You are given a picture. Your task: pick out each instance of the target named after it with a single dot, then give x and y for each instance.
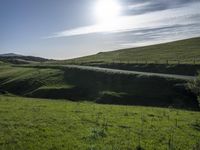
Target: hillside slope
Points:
(101, 87)
(184, 50)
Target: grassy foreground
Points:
(47, 124)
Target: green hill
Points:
(185, 51)
(102, 87)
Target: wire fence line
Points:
(167, 61)
(194, 62)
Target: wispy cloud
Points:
(137, 6)
(158, 35)
(147, 6)
(189, 14)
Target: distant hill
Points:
(20, 59)
(10, 55)
(183, 50)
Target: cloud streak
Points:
(158, 35)
(189, 14)
(146, 6)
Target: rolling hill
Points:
(185, 51)
(179, 57)
(10, 55)
(80, 84)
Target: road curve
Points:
(92, 68)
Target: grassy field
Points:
(184, 51)
(101, 87)
(56, 124)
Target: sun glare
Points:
(107, 10)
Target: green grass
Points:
(19, 80)
(55, 125)
(184, 51)
(1, 62)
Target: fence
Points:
(168, 61)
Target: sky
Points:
(63, 29)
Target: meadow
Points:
(28, 123)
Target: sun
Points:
(107, 10)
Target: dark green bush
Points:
(194, 86)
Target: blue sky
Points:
(62, 29)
